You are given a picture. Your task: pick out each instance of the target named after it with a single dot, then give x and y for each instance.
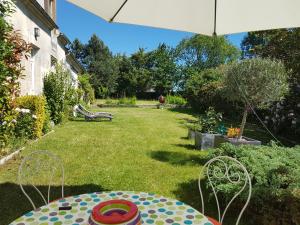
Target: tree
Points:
(126, 81)
(257, 83)
(99, 62)
(201, 52)
(280, 44)
(78, 50)
(203, 89)
(163, 69)
(88, 93)
(283, 44)
(140, 71)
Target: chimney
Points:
(50, 8)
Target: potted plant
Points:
(192, 127)
(256, 83)
(207, 129)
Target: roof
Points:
(74, 62)
(40, 13)
(64, 40)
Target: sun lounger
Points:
(91, 116)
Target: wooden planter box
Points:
(191, 134)
(205, 141)
(235, 141)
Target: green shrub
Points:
(88, 93)
(176, 100)
(37, 106)
(275, 173)
(60, 93)
(127, 101)
(109, 101)
(210, 121)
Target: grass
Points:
(138, 102)
(141, 150)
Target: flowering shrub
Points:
(12, 50)
(233, 132)
(24, 124)
(35, 107)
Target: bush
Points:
(210, 121)
(176, 100)
(275, 173)
(37, 107)
(60, 93)
(127, 101)
(88, 93)
(204, 90)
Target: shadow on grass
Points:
(176, 158)
(14, 204)
(188, 193)
(187, 146)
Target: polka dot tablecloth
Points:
(154, 209)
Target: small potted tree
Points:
(207, 129)
(256, 83)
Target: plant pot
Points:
(191, 134)
(235, 141)
(205, 141)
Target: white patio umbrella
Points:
(199, 16)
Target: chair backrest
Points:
(225, 169)
(32, 169)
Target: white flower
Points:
(14, 121)
(34, 116)
(18, 109)
(4, 123)
(25, 110)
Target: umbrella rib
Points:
(122, 6)
(215, 19)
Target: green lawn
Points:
(141, 150)
(138, 102)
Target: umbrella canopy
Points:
(199, 16)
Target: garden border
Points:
(5, 159)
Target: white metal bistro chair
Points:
(226, 170)
(41, 166)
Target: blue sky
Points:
(120, 38)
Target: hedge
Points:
(37, 106)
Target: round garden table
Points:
(154, 209)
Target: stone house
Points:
(36, 21)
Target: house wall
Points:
(46, 49)
(37, 66)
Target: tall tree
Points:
(101, 65)
(257, 83)
(140, 71)
(78, 50)
(283, 45)
(126, 81)
(201, 52)
(163, 69)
